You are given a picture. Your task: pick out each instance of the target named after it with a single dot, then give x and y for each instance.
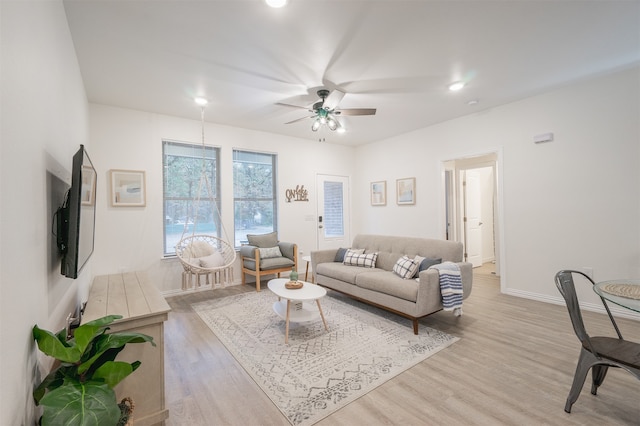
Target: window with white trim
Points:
(188, 202)
(254, 194)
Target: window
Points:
(182, 170)
(333, 209)
(254, 194)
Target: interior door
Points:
(472, 217)
(333, 219)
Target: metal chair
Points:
(597, 352)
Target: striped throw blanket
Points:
(450, 286)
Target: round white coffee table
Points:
(296, 307)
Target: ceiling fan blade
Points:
(298, 119)
(333, 99)
(292, 106)
(357, 111)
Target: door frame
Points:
(452, 209)
(346, 209)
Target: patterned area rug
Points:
(318, 372)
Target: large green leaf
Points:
(87, 332)
(107, 342)
(112, 372)
(52, 346)
(80, 404)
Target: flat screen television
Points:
(76, 217)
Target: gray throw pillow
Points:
(340, 255)
(263, 240)
(427, 262)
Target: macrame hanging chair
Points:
(203, 254)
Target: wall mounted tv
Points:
(76, 217)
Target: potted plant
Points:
(79, 391)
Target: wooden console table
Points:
(143, 310)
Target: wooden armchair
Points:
(265, 255)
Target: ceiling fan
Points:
(325, 111)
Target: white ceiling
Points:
(396, 56)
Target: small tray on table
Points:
(293, 285)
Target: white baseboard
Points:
(587, 306)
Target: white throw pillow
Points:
(406, 268)
(198, 249)
(266, 253)
(365, 260)
(212, 261)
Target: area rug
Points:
(319, 371)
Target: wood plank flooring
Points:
(513, 366)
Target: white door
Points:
(333, 212)
(472, 217)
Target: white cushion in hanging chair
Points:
(214, 260)
(198, 249)
(198, 252)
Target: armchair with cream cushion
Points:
(265, 255)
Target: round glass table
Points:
(625, 293)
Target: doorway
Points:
(333, 216)
(472, 207)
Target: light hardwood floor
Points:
(513, 366)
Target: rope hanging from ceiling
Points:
(204, 254)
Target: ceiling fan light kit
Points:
(326, 109)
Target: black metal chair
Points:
(597, 352)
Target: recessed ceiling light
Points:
(201, 101)
(472, 102)
(454, 87)
(276, 3)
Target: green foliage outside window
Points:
(254, 194)
(188, 203)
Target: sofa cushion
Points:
(405, 268)
(411, 246)
(365, 260)
(342, 252)
(263, 240)
(267, 252)
(340, 255)
(389, 283)
(270, 263)
(342, 272)
(426, 262)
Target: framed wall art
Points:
(379, 193)
(127, 188)
(406, 191)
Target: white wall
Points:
(570, 203)
(44, 121)
(130, 239)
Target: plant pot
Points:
(126, 408)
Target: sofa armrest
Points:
(430, 282)
(248, 251)
(288, 250)
(322, 256)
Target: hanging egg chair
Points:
(204, 255)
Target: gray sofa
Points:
(380, 286)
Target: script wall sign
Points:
(298, 194)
